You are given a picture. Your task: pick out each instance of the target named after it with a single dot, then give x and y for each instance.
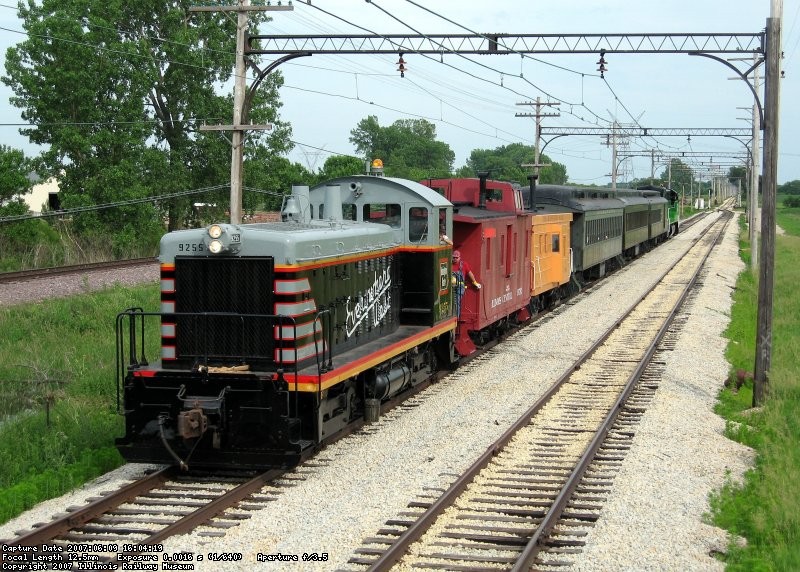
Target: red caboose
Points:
(492, 231)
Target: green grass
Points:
(58, 393)
(787, 218)
(765, 509)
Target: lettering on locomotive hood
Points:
(372, 305)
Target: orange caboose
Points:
(492, 231)
(551, 262)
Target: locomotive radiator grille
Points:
(221, 308)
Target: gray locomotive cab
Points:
(416, 216)
(411, 210)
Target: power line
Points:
(84, 209)
(408, 113)
(442, 47)
(479, 78)
(605, 81)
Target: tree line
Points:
(117, 92)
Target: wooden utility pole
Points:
(237, 129)
(769, 179)
(538, 115)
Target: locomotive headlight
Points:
(215, 231)
(222, 239)
(215, 246)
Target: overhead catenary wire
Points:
(419, 86)
(386, 12)
(470, 74)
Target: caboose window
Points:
(556, 244)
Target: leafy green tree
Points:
(738, 176)
(505, 163)
(341, 166)
(117, 91)
(677, 175)
(408, 148)
(268, 178)
(14, 170)
(790, 188)
(17, 237)
(791, 202)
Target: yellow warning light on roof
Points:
(376, 168)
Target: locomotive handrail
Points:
(120, 367)
(293, 323)
(323, 366)
(135, 314)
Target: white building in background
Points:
(39, 197)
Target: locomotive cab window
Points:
(444, 228)
(384, 213)
(417, 224)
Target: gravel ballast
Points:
(370, 477)
(60, 286)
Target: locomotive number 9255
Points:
(191, 247)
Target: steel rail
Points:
(33, 274)
(534, 546)
(48, 532)
(400, 546)
(213, 508)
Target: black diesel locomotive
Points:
(273, 337)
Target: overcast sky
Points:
(326, 96)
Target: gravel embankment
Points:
(654, 517)
(12, 293)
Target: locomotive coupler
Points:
(193, 421)
(192, 424)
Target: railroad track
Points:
(149, 510)
(529, 499)
(174, 507)
(25, 275)
(169, 502)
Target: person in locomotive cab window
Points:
(443, 238)
(462, 277)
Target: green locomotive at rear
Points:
(273, 337)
